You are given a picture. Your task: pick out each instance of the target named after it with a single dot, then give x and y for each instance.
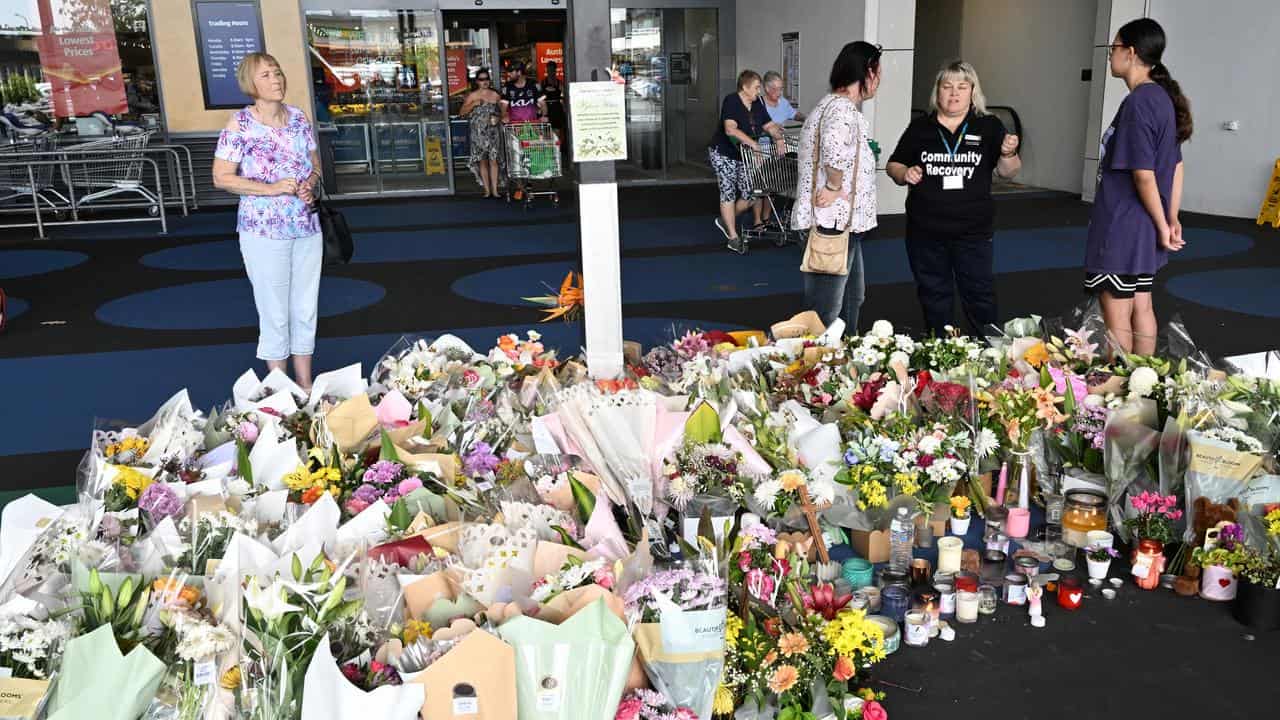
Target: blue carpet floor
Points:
(1253, 291)
(21, 263)
(16, 306)
(223, 304)
(771, 271)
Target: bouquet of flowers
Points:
(680, 636)
(31, 648)
(643, 704)
(705, 469)
(779, 496)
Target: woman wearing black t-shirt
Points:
(743, 120)
(947, 157)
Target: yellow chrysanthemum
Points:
(906, 483)
(724, 703)
(230, 679)
(732, 628)
(138, 445)
(1273, 522)
(133, 481)
(851, 635)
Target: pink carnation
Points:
(408, 485)
(629, 709)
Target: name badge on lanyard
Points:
(952, 182)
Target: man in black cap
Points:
(520, 96)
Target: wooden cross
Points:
(811, 514)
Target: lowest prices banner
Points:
(83, 68)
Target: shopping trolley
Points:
(532, 152)
(772, 179)
(120, 172)
(23, 181)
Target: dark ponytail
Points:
(1147, 39)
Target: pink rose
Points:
(744, 561)
(629, 709)
(355, 506)
(873, 710)
(408, 485)
(604, 578)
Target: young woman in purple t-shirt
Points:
(1135, 225)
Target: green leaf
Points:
(566, 538)
(243, 466)
(399, 519)
(703, 425)
(582, 497)
(1046, 380)
(1069, 398)
(388, 449)
(705, 529)
(296, 568)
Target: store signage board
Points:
(598, 121)
(226, 31)
(680, 68)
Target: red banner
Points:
(456, 69)
(553, 52)
(84, 72)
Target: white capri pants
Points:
(285, 274)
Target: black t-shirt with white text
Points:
(954, 197)
(523, 101)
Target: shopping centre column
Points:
(598, 205)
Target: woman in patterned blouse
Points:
(267, 155)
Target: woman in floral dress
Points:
(484, 108)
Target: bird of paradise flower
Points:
(566, 304)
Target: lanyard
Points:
(951, 151)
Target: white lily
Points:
(270, 602)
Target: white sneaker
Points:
(720, 226)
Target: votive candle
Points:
(1019, 522)
(949, 550)
(966, 606)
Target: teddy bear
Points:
(1208, 514)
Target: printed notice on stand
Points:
(598, 121)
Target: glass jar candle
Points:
(858, 572)
(1053, 508)
(1000, 542)
(994, 564)
(892, 638)
(859, 601)
(966, 606)
(988, 597)
(1027, 565)
(894, 600)
(917, 629)
(949, 550)
(1070, 592)
(946, 598)
(1015, 589)
(1084, 510)
(1019, 523)
(967, 581)
(925, 600)
(887, 576)
(995, 517)
(920, 572)
(873, 597)
(1148, 563)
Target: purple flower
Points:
(110, 527)
(367, 494)
(159, 502)
(480, 460)
(383, 472)
(1229, 536)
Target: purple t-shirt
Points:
(1143, 136)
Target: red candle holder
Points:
(1070, 593)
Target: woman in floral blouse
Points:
(841, 200)
(267, 155)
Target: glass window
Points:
(71, 58)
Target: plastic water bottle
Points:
(902, 535)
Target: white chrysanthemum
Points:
(1142, 382)
(900, 358)
(680, 490)
(986, 443)
(929, 445)
(821, 491)
(882, 329)
(766, 493)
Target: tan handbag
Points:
(829, 254)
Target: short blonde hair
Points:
(248, 66)
(959, 70)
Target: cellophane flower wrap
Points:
(680, 614)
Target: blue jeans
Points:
(285, 274)
(839, 296)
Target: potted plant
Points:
(1257, 601)
(1152, 529)
(1220, 564)
(1098, 558)
(960, 508)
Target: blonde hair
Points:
(248, 66)
(960, 70)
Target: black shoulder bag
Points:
(338, 244)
